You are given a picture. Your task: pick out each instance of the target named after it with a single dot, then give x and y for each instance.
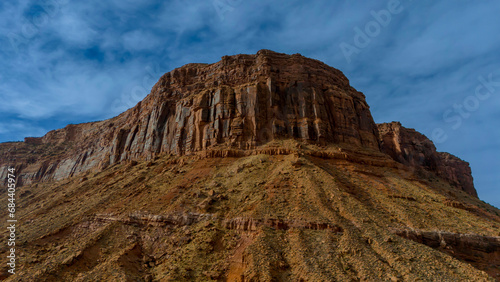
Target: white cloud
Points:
(74, 28)
(140, 40)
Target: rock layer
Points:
(482, 251)
(414, 149)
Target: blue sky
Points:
(433, 65)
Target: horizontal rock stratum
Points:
(241, 102)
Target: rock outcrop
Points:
(242, 101)
(414, 149)
(241, 224)
(482, 251)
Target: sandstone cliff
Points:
(414, 149)
(242, 101)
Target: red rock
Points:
(414, 149)
(466, 247)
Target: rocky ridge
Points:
(415, 150)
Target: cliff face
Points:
(242, 101)
(413, 149)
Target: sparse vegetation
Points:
(64, 239)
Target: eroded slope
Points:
(290, 212)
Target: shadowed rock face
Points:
(414, 149)
(242, 101)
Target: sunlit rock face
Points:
(244, 101)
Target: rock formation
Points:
(480, 250)
(242, 101)
(265, 167)
(415, 150)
